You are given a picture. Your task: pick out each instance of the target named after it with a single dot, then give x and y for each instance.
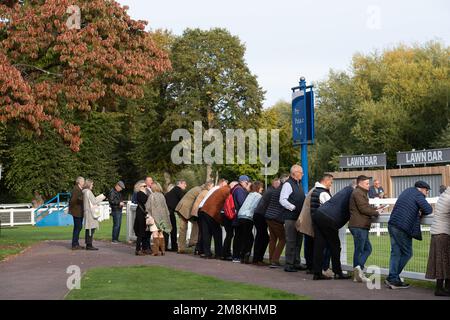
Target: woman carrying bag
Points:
(91, 212)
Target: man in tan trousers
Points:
(185, 214)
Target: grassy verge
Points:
(160, 283)
(16, 239)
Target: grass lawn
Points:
(381, 250)
(14, 240)
(160, 283)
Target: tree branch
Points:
(37, 68)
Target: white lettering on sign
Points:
(362, 161)
(424, 156)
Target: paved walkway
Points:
(40, 273)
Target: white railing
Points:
(380, 239)
(23, 214)
(378, 234)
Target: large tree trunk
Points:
(210, 116)
(167, 179)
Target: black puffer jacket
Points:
(139, 226)
(275, 209)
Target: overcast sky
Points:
(289, 38)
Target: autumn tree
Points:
(52, 70)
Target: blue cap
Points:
(422, 184)
(244, 178)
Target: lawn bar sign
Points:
(425, 157)
(363, 161)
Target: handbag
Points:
(149, 220)
(96, 211)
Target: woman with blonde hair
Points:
(156, 208)
(90, 206)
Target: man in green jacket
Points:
(361, 214)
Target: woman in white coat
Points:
(90, 202)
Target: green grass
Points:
(160, 283)
(16, 239)
(381, 250)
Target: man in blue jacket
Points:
(403, 226)
(327, 220)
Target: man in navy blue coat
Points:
(403, 226)
(327, 220)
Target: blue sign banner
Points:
(303, 117)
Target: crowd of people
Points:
(281, 218)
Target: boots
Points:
(440, 291)
(155, 247)
(162, 246)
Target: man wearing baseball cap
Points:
(116, 203)
(403, 226)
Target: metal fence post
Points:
(32, 217)
(128, 214)
(11, 217)
(343, 238)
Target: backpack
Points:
(228, 208)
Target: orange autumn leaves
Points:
(48, 70)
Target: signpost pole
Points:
(303, 124)
(304, 146)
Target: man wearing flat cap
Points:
(116, 203)
(403, 226)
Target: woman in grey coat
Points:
(89, 203)
(157, 208)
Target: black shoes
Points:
(206, 256)
(341, 276)
(246, 259)
(301, 267)
(229, 258)
(442, 293)
(91, 248)
(290, 269)
(396, 285)
(77, 247)
(320, 276)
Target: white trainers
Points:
(357, 274)
(328, 273)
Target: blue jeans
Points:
(363, 248)
(326, 258)
(77, 226)
(117, 221)
(401, 252)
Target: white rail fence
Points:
(23, 214)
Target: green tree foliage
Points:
(390, 101)
(209, 82)
(46, 165)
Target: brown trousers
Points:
(182, 233)
(277, 240)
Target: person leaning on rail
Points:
(403, 226)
